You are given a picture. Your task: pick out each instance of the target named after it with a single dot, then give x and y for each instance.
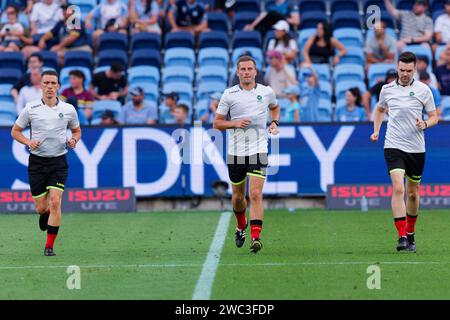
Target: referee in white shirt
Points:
(404, 146)
(49, 119)
(242, 111)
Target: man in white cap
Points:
(283, 41)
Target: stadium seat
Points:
(218, 21)
(213, 57)
(101, 69)
(78, 59)
(64, 77)
(343, 86)
(419, 50)
(377, 72)
(50, 59)
(146, 57)
(325, 89)
(310, 19)
(247, 6)
(389, 31)
(99, 106)
(324, 110)
(303, 37)
(201, 108)
(345, 5)
(148, 74)
(378, 3)
(439, 51)
(178, 74)
(9, 76)
(212, 73)
(113, 40)
(108, 57)
(348, 71)
(8, 113)
(445, 103)
(405, 4)
(204, 89)
(437, 5)
(312, 5)
(178, 39)
(179, 57)
(322, 70)
(217, 39)
(242, 18)
(184, 90)
(151, 90)
(354, 55)
(12, 60)
(346, 19)
(246, 39)
(5, 93)
(256, 53)
(145, 40)
(349, 37)
(436, 14)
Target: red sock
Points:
(256, 227)
(410, 223)
(52, 233)
(241, 219)
(400, 224)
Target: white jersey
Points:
(238, 103)
(405, 104)
(49, 126)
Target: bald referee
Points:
(404, 146)
(49, 119)
(242, 111)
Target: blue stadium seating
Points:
(389, 31)
(246, 39)
(99, 106)
(204, 89)
(322, 70)
(182, 39)
(9, 76)
(354, 55)
(312, 5)
(151, 91)
(344, 5)
(113, 40)
(405, 4)
(212, 73)
(148, 74)
(437, 5)
(345, 19)
(179, 57)
(343, 86)
(247, 5)
(419, 50)
(325, 89)
(377, 72)
(146, 57)
(78, 59)
(145, 40)
(445, 103)
(218, 21)
(108, 57)
(213, 56)
(349, 37)
(256, 53)
(50, 59)
(13, 60)
(303, 37)
(217, 39)
(378, 3)
(439, 51)
(436, 14)
(178, 74)
(85, 6)
(5, 93)
(348, 71)
(184, 90)
(8, 113)
(64, 76)
(242, 18)
(324, 110)
(310, 19)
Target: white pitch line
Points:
(269, 264)
(205, 281)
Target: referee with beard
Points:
(49, 119)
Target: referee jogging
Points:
(242, 111)
(404, 148)
(49, 119)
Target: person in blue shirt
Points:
(167, 108)
(144, 16)
(188, 15)
(138, 111)
(293, 110)
(352, 111)
(309, 95)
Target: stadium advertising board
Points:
(74, 200)
(304, 159)
(432, 196)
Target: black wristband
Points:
(76, 141)
(276, 122)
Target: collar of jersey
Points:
(57, 102)
(396, 81)
(249, 90)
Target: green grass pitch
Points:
(309, 254)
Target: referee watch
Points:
(276, 122)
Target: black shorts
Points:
(239, 167)
(411, 164)
(46, 173)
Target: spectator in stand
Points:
(310, 95)
(416, 26)
(425, 78)
(422, 65)
(442, 27)
(44, 16)
(375, 90)
(443, 76)
(352, 111)
(11, 31)
(283, 42)
(381, 47)
(181, 114)
(108, 118)
(138, 111)
(144, 16)
(209, 115)
(321, 47)
(35, 62)
(112, 15)
(188, 15)
(68, 35)
(279, 10)
(444, 57)
(30, 92)
(259, 74)
(167, 108)
(77, 89)
(293, 111)
(110, 84)
(279, 76)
